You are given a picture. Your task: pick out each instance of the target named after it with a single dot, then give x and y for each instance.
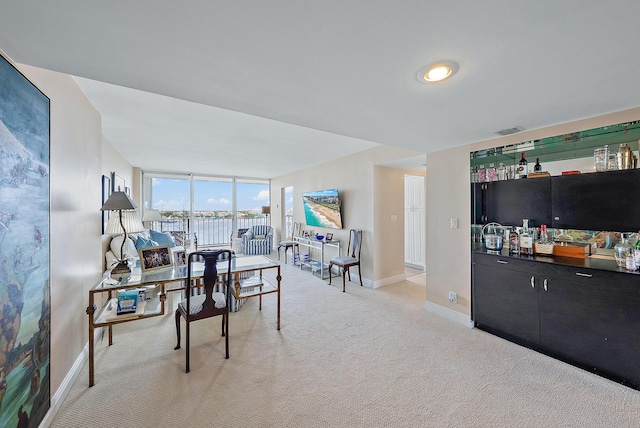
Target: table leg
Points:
(90, 311)
(278, 278)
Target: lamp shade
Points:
(152, 215)
(266, 209)
(130, 220)
(119, 201)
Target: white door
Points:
(414, 221)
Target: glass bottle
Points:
(474, 174)
(502, 172)
(492, 174)
(537, 167)
(522, 167)
(514, 242)
(482, 174)
(622, 250)
(526, 239)
(544, 246)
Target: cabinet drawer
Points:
(505, 262)
(586, 275)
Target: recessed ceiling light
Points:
(437, 72)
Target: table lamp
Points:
(151, 216)
(127, 221)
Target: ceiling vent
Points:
(510, 131)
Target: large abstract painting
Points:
(25, 310)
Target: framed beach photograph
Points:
(152, 258)
(329, 237)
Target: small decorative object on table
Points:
(319, 237)
(329, 237)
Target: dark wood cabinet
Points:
(598, 201)
(508, 202)
(590, 318)
(608, 201)
(505, 300)
(586, 317)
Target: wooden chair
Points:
(209, 304)
(296, 230)
(351, 259)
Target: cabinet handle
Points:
(586, 275)
(533, 282)
(504, 262)
(545, 284)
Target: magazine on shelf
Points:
(251, 283)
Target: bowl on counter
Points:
(319, 237)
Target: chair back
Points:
(355, 243)
(210, 276)
(296, 229)
(260, 229)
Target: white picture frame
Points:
(154, 258)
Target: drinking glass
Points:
(601, 158)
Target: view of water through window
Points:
(215, 215)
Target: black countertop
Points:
(592, 262)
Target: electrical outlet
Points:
(454, 223)
(453, 297)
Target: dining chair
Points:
(296, 230)
(351, 259)
(210, 303)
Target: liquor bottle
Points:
(537, 167)
(514, 242)
(526, 239)
(544, 246)
(522, 167)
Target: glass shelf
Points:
(562, 147)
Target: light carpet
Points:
(364, 358)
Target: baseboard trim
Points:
(389, 280)
(449, 314)
(65, 387)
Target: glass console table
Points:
(156, 284)
(317, 266)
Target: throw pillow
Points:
(260, 236)
(162, 238)
(144, 243)
(129, 247)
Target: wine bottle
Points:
(522, 167)
(537, 167)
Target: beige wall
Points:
(449, 250)
(388, 235)
(75, 216)
(79, 158)
(353, 176)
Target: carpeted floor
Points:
(364, 358)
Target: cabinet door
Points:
(477, 203)
(597, 201)
(505, 303)
(592, 322)
(510, 201)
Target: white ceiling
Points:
(259, 89)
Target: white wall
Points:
(448, 195)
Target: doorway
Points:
(414, 223)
